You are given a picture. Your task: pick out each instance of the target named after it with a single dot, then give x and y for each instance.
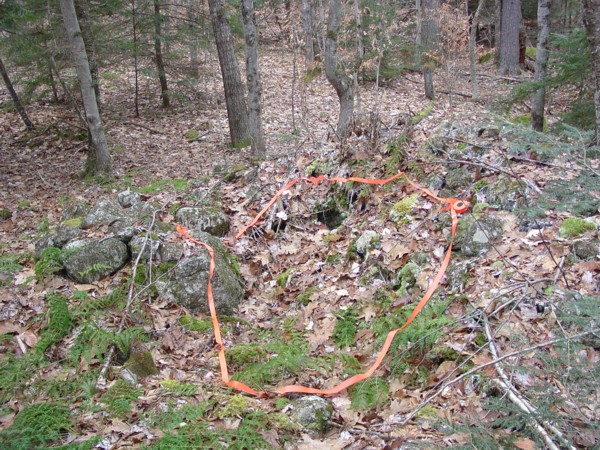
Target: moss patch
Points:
(574, 226)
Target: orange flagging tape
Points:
(455, 206)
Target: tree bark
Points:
(15, 98)
(473, 49)
(98, 161)
(253, 80)
(307, 28)
(192, 17)
(591, 19)
(158, 56)
(82, 10)
(541, 61)
(134, 27)
(509, 37)
(237, 112)
(429, 38)
(335, 74)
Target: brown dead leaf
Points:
(525, 444)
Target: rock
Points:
(93, 259)
(141, 364)
(366, 241)
(474, 237)
(60, 236)
(188, 282)
(208, 220)
(105, 212)
(127, 199)
(72, 212)
(586, 248)
(313, 413)
(151, 249)
(170, 252)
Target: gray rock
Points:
(151, 249)
(474, 237)
(127, 199)
(72, 212)
(209, 220)
(170, 252)
(313, 413)
(188, 283)
(586, 248)
(366, 241)
(58, 239)
(88, 260)
(105, 212)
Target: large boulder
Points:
(105, 212)
(57, 238)
(88, 260)
(188, 283)
(209, 220)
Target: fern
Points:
(49, 263)
(88, 307)
(36, 426)
(59, 322)
(370, 393)
(96, 267)
(119, 396)
(16, 373)
(178, 388)
(345, 329)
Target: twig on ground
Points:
(152, 130)
(513, 394)
(439, 392)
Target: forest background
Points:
(218, 104)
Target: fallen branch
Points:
(152, 130)
(439, 392)
(513, 394)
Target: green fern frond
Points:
(119, 397)
(59, 322)
(370, 393)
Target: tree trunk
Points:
(591, 19)
(15, 98)
(541, 61)
(136, 92)
(237, 112)
(473, 49)
(509, 37)
(253, 80)
(98, 161)
(309, 49)
(429, 39)
(335, 74)
(160, 65)
(360, 53)
(83, 15)
(192, 17)
(497, 29)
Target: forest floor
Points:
(520, 285)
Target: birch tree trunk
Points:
(15, 98)
(591, 19)
(237, 113)
(541, 61)
(309, 49)
(158, 56)
(335, 74)
(98, 160)
(253, 80)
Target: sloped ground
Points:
(514, 296)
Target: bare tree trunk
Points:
(83, 15)
(473, 50)
(591, 19)
(509, 37)
(192, 16)
(429, 38)
(237, 113)
(15, 98)
(309, 49)
(541, 61)
(360, 53)
(136, 94)
(497, 29)
(98, 161)
(160, 64)
(335, 74)
(253, 80)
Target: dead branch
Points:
(139, 125)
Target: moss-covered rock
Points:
(141, 364)
(474, 236)
(209, 220)
(313, 413)
(88, 260)
(586, 248)
(574, 226)
(187, 283)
